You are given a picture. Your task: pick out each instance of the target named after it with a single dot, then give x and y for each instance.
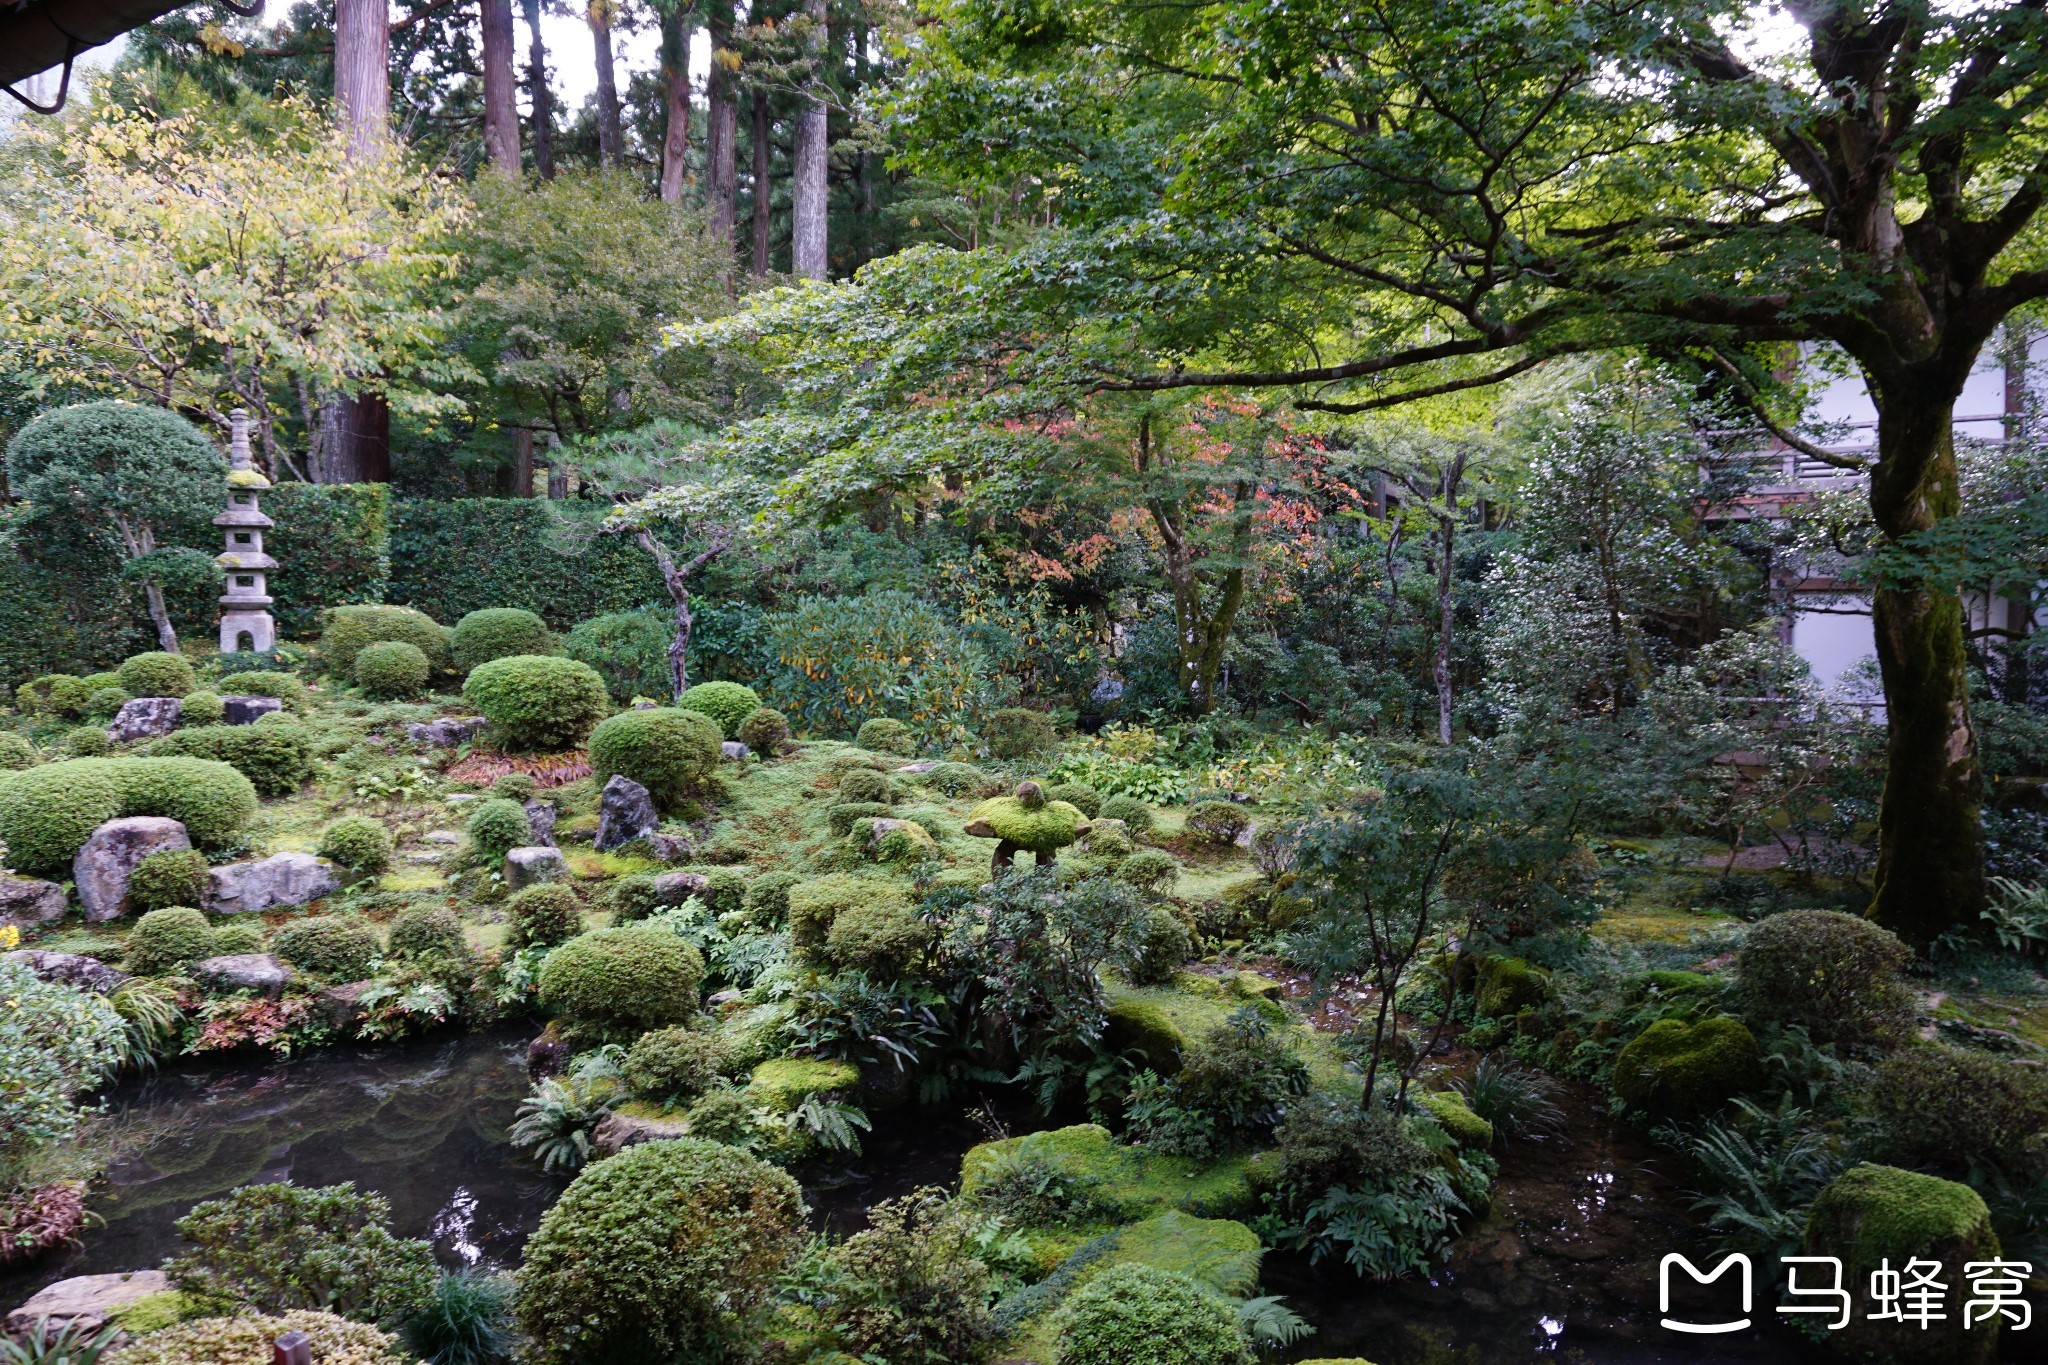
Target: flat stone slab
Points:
(441, 836)
(70, 969)
(281, 879)
(615, 1131)
(247, 710)
(26, 902)
(102, 867)
(83, 1301)
(257, 972)
(144, 718)
(534, 864)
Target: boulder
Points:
(441, 836)
(70, 969)
(540, 821)
(280, 879)
(1678, 1070)
(732, 751)
(26, 902)
(247, 710)
(447, 732)
(84, 1301)
(673, 888)
(623, 1128)
(547, 1054)
(668, 848)
(102, 867)
(625, 812)
(342, 1006)
(144, 718)
(923, 765)
(914, 844)
(258, 973)
(534, 864)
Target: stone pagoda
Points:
(245, 622)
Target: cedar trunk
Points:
(675, 75)
(721, 175)
(501, 105)
(764, 189)
(611, 137)
(808, 253)
(543, 97)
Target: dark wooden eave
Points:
(41, 35)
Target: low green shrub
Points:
(882, 735)
(864, 784)
(914, 1286)
(1231, 1089)
(1960, 1111)
(1017, 732)
(662, 1252)
(350, 630)
(671, 752)
(1111, 840)
(1079, 795)
(47, 812)
(358, 843)
(16, 752)
(1835, 974)
(277, 756)
(957, 779)
(842, 817)
(766, 732)
(106, 703)
(498, 826)
(543, 916)
(428, 933)
(247, 1339)
(286, 687)
(1508, 985)
(203, 707)
(815, 904)
(629, 649)
(537, 701)
(1153, 871)
(168, 940)
(498, 633)
(622, 981)
(328, 945)
(237, 938)
(156, 674)
(728, 703)
(392, 669)
(1217, 822)
(167, 877)
(88, 741)
(1135, 814)
(766, 899)
(675, 1065)
(884, 940)
(53, 694)
(1161, 946)
(725, 889)
(1135, 1315)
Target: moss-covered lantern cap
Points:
(1028, 820)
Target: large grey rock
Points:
(732, 751)
(540, 821)
(26, 902)
(84, 1301)
(342, 1006)
(102, 867)
(247, 710)
(668, 848)
(534, 864)
(625, 812)
(447, 732)
(259, 973)
(144, 718)
(673, 888)
(280, 879)
(70, 969)
(615, 1131)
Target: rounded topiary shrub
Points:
(1959, 1111)
(391, 669)
(167, 940)
(864, 784)
(210, 798)
(537, 701)
(728, 703)
(286, 687)
(498, 633)
(1217, 822)
(1136, 815)
(203, 707)
(88, 741)
(543, 915)
(766, 899)
(885, 736)
(350, 630)
(106, 703)
(518, 787)
(884, 941)
(1150, 870)
(329, 945)
(1160, 946)
(1079, 795)
(498, 826)
(169, 876)
(427, 933)
(47, 812)
(1016, 732)
(156, 674)
(766, 732)
(629, 649)
(621, 981)
(358, 843)
(53, 694)
(676, 1064)
(276, 755)
(237, 938)
(1136, 1315)
(1834, 973)
(16, 752)
(663, 1252)
(669, 751)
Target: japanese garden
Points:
(939, 682)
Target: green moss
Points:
(1680, 1070)
(842, 817)
(814, 905)
(1143, 1182)
(1046, 829)
(786, 1082)
(883, 940)
(1677, 983)
(1449, 1109)
(1217, 1252)
(1141, 1026)
(153, 1312)
(1508, 985)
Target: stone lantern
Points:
(245, 623)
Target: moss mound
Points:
(156, 674)
(1041, 827)
(350, 630)
(391, 669)
(538, 702)
(1680, 1070)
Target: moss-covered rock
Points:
(786, 1082)
(814, 905)
(1874, 1214)
(1680, 1070)
(1144, 1028)
(1508, 985)
(1449, 1109)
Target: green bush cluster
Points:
(237, 938)
(670, 751)
(543, 916)
(518, 787)
(622, 981)
(1836, 974)
(286, 687)
(88, 741)
(882, 735)
(662, 1252)
(1135, 814)
(843, 816)
(350, 630)
(47, 812)
(913, 1285)
(728, 703)
(497, 826)
(884, 940)
(167, 877)
(1079, 795)
(358, 843)
(1153, 871)
(766, 732)
(866, 785)
(1217, 822)
(428, 933)
(53, 694)
(629, 649)
(1960, 1111)
(1161, 946)
(156, 674)
(276, 756)
(168, 940)
(816, 904)
(16, 752)
(392, 669)
(538, 701)
(676, 1064)
(1136, 1315)
(1017, 732)
(766, 899)
(106, 703)
(202, 707)
(498, 633)
(328, 945)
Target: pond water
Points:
(1562, 1267)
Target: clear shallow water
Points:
(1562, 1267)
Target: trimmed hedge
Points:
(628, 980)
(276, 757)
(350, 630)
(669, 751)
(538, 701)
(453, 557)
(332, 543)
(766, 732)
(428, 932)
(168, 877)
(392, 669)
(203, 707)
(157, 674)
(358, 843)
(629, 649)
(499, 825)
(165, 940)
(329, 946)
(728, 703)
(543, 915)
(47, 812)
(498, 633)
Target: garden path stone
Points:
(26, 902)
(102, 867)
(70, 969)
(625, 812)
(144, 718)
(247, 710)
(83, 1301)
(534, 864)
(281, 879)
(259, 972)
